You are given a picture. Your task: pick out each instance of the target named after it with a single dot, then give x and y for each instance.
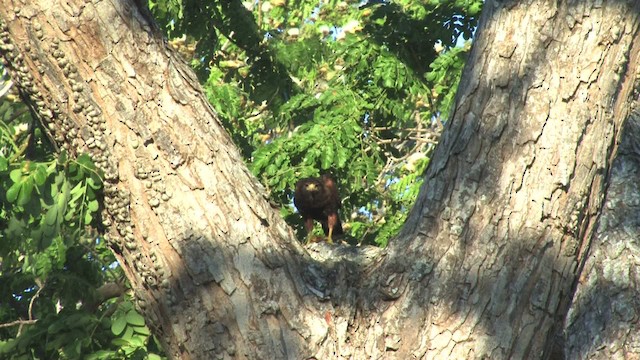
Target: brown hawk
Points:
(317, 199)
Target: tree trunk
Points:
(488, 261)
(191, 227)
(603, 322)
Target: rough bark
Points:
(604, 320)
(488, 261)
(516, 185)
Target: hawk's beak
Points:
(311, 187)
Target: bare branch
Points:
(18, 323)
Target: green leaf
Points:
(62, 158)
(63, 197)
(128, 334)
(93, 205)
(137, 341)
(40, 175)
(142, 330)
(120, 342)
(94, 181)
(327, 157)
(25, 192)
(85, 160)
(134, 318)
(51, 216)
(77, 191)
(271, 170)
(4, 164)
(343, 157)
(69, 215)
(56, 327)
(12, 193)
(118, 325)
(55, 187)
(87, 218)
(15, 175)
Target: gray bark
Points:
(515, 188)
(604, 320)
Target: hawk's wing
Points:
(332, 190)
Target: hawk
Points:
(317, 199)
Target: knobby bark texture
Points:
(488, 261)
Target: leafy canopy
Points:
(356, 89)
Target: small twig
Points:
(18, 322)
(33, 299)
